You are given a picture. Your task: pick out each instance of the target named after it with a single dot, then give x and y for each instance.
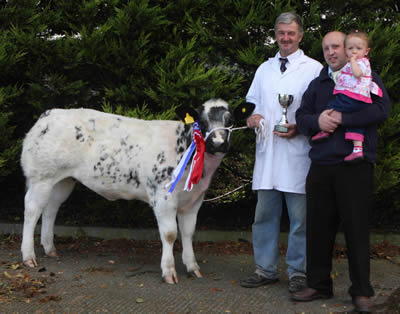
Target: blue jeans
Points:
(266, 230)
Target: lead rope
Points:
(227, 193)
(261, 139)
(261, 135)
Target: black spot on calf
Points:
(92, 124)
(79, 134)
(161, 158)
(104, 157)
(44, 131)
(44, 114)
(133, 177)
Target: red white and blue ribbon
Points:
(196, 167)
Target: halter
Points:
(261, 133)
(229, 129)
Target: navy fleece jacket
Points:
(335, 147)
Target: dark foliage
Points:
(144, 58)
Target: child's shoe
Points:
(353, 157)
(320, 136)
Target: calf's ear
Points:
(187, 114)
(243, 111)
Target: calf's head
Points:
(216, 121)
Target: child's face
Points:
(356, 46)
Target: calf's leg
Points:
(187, 224)
(59, 194)
(36, 199)
(166, 219)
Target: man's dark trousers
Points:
(339, 193)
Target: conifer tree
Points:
(143, 58)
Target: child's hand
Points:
(353, 58)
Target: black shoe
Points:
(256, 280)
(297, 283)
(310, 294)
(362, 304)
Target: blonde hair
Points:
(358, 34)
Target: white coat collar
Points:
(295, 56)
(294, 61)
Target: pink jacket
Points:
(357, 88)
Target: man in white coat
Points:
(282, 160)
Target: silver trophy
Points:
(285, 100)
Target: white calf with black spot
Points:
(118, 158)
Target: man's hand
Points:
(329, 120)
(292, 132)
(254, 120)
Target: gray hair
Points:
(287, 18)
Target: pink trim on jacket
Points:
(352, 95)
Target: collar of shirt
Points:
(333, 74)
(330, 71)
(291, 58)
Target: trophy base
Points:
(281, 129)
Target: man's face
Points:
(333, 48)
(288, 38)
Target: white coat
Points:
(283, 164)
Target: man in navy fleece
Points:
(338, 192)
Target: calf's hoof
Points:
(195, 274)
(171, 279)
(198, 274)
(30, 262)
(52, 254)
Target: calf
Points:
(120, 158)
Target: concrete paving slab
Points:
(83, 280)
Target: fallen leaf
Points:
(7, 275)
(217, 290)
(36, 282)
(334, 274)
(111, 261)
(139, 300)
(15, 266)
(50, 298)
(133, 269)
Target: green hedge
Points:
(143, 58)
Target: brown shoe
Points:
(309, 294)
(362, 304)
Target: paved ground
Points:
(121, 276)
